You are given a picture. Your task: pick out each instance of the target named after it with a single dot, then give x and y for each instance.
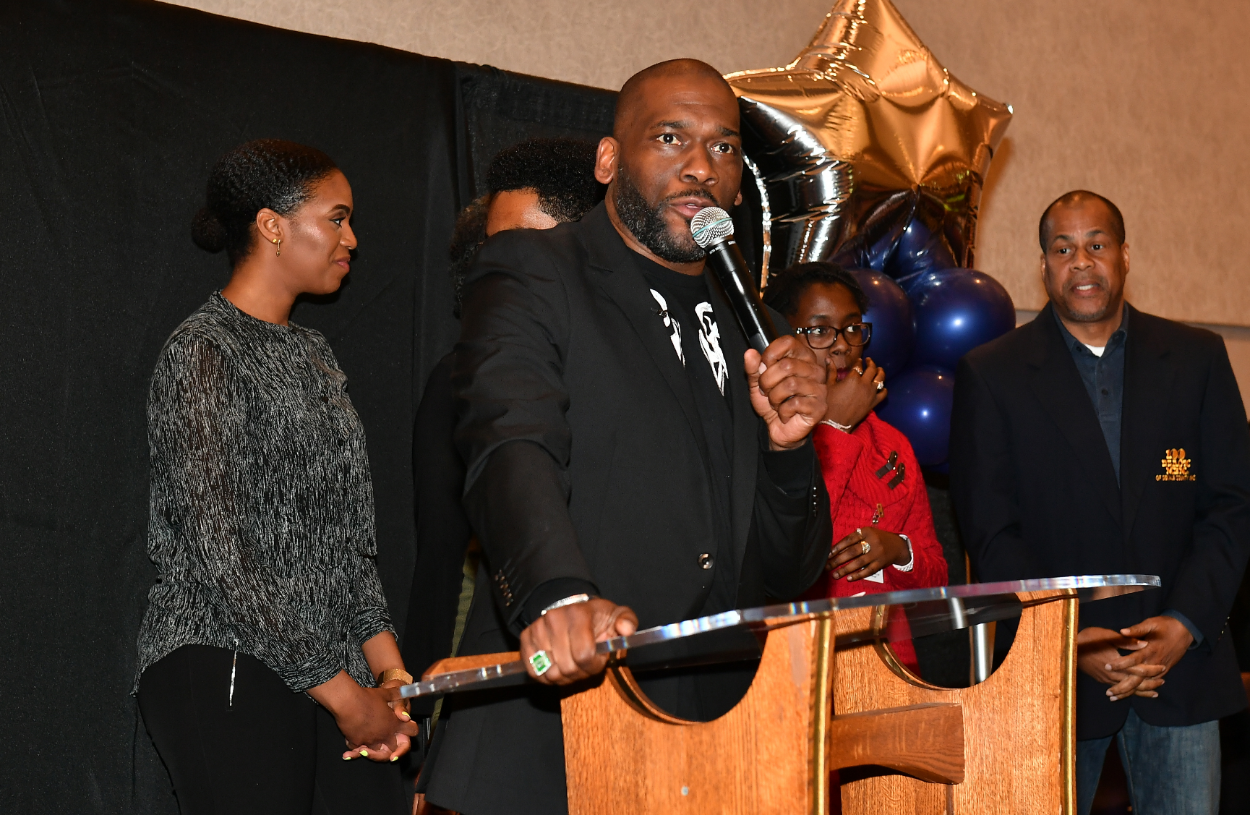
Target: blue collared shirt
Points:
(1103, 377)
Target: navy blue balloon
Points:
(877, 254)
(893, 326)
(919, 405)
(919, 250)
(957, 310)
(873, 249)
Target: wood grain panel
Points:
(453, 664)
(925, 741)
(1018, 732)
(764, 757)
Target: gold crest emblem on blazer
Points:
(1175, 466)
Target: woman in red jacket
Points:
(882, 525)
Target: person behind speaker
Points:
(1098, 439)
(267, 629)
(623, 444)
(535, 184)
(877, 497)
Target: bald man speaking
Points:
(630, 461)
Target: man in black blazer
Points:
(623, 445)
(1097, 440)
(532, 185)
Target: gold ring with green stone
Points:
(540, 662)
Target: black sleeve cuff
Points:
(553, 591)
(1189, 626)
(791, 470)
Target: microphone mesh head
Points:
(711, 225)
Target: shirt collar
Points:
(1118, 337)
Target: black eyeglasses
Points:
(820, 337)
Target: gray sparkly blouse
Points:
(261, 502)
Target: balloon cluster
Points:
(926, 314)
(865, 150)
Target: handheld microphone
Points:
(713, 230)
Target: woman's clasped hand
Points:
(849, 557)
(374, 725)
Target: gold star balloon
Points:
(866, 150)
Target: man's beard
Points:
(647, 224)
(1099, 313)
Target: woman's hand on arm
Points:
(382, 654)
(848, 558)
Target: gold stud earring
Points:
(278, 243)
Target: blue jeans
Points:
(1170, 770)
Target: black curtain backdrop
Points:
(499, 109)
(111, 114)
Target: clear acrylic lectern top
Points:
(730, 636)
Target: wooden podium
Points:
(830, 696)
(1003, 746)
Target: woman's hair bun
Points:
(208, 232)
(260, 174)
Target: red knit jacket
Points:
(849, 463)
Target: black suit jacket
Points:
(1036, 494)
(586, 461)
(443, 531)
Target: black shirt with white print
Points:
(684, 304)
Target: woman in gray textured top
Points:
(262, 522)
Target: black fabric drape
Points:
(500, 109)
(111, 114)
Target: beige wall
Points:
(593, 42)
(1145, 101)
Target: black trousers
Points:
(260, 749)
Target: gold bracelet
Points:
(394, 673)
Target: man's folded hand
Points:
(1098, 654)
